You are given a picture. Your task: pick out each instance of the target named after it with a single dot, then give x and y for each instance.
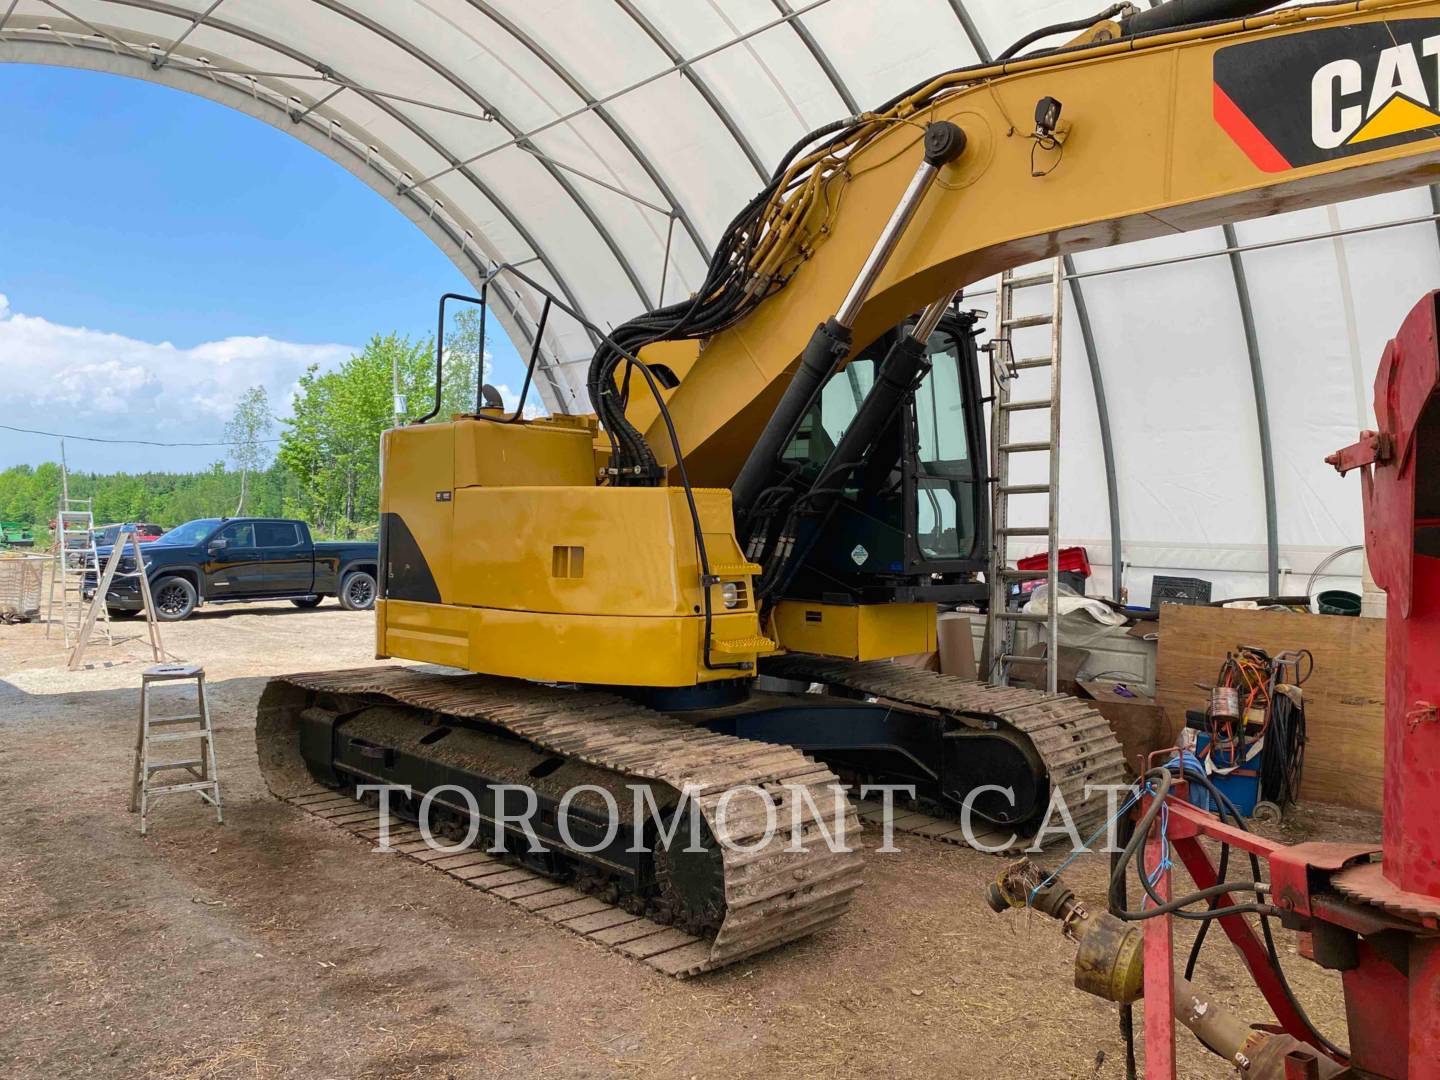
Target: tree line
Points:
(325, 469)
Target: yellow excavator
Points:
(784, 475)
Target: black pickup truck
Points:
(221, 560)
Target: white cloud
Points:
(533, 407)
(91, 382)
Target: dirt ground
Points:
(277, 946)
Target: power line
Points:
(128, 442)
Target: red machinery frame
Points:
(1378, 923)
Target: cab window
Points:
(945, 476)
(239, 535)
(273, 534)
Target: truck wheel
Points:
(357, 591)
(174, 599)
(307, 601)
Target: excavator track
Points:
(1072, 739)
(770, 896)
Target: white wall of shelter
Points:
(603, 145)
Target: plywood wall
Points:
(1344, 699)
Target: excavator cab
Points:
(911, 523)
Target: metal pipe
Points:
(930, 318)
(884, 247)
(1435, 205)
(1264, 245)
(1262, 414)
(1102, 418)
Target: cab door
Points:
(286, 558)
(947, 515)
(232, 562)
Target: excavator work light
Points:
(1047, 116)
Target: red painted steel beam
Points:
(1159, 975)
(1246, 941)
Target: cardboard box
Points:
(1137, 721)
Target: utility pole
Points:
(397, 400)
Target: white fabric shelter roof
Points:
(603, 145)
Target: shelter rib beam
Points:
(89, 53)
(565, 118)
(160, 61)
(686, 69)
(967, 23)
(821, 57)
(1262, 411)
(242, 33)
(605, 115)
(465, 88)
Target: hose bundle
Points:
(760, 251)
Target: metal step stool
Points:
(207, 780)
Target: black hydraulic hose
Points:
(1199, 942)
(1133, 852)
(904, 365)
(1226, 809)
(1074, 26)
(1178, 13)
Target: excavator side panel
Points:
(500, 555)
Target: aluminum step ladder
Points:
(178, 729)
(98, 608)
(75, 558)
(1006, 370)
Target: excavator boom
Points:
(1161, 133)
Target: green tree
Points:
(245, 435)
(331, 444)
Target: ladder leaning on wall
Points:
(1005, 371)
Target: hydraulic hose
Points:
(1178, 13)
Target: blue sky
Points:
(132, 216)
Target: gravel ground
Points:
(277, 946)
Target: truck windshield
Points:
(192, 532)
